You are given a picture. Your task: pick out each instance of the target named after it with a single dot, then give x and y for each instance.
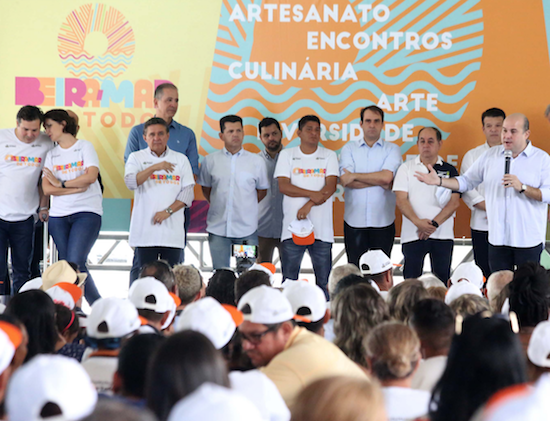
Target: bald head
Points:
(515, 133)
(496, 283)
(518, 119)
(74, 116)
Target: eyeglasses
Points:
(256, 338)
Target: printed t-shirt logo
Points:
(165, 179)
(310, 172)
(31, 161)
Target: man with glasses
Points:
(291, 356)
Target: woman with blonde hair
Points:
(402, 298)
(340, 398)
(393, 356)
(356, 311)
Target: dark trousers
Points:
(480, 246)
(441, 253)
(74, 236)
(506, 258)
(266, 247)
(143, 255)
(19, 237)
(360, 240)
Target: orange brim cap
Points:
(304, 241)
(176, 299)
(143, 320)
(301, 319)
(236, 314)
(14, 333)
(72, 289)
(269, 266)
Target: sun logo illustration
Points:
(96, 41)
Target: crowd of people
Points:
(467, 345)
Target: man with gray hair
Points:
(516, 176)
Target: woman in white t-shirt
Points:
(393, 355)
(70, 176)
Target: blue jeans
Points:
(143, 255)
(321, 257)
(74, 236)
(19, 236)
(220, 248)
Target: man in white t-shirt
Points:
(23, 151)
(162, 180)
(233, 181)
(492, 121)
(307, 177)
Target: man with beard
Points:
(271, 207)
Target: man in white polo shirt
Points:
(428, 211)
(517, 203)
(492, 121)
(233, 181)
(162, 180)
(367, 168)
(22, 154)
(307, 177)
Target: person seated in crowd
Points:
(22, 349)
(529, 298)
(221, 286)
(248, 280)
(339, 272)
(189, 284)
(357, 310)
(133, 360)
(114, 410)
(11, 338)
(461, 288)
(467, 271)
(393, 356)
(403, 297)
(153, 302)
(182, 363)
(469, 304)
(496, 285)
(434, 323)
(340, 398)
(110, 322)
(68, 327)
(219, 324)
(308, 300)
(429, 280)
(161, 271)
(50, 387)
(377, 266)
(485, 357)
(36, 310)
(437, 292)
(291, 356)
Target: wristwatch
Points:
(523, 188)
(63, 184)
(169, 210)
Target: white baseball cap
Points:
(35, 283)
(112, 318)
(149, 294)
(65, 293)
(10, 339)
(208, 317)
(374, 262)
(176, 303)
(265, 305)
(302, 294)
(469, 271)
(50, 379)
(538, 350)
(302, 232)
(214, 403)
(459, 289)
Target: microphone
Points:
(507, 160)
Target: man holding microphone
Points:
(517, 191)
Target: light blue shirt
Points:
(182, 139)
(270, 223)
(369, 207)
(514, 219)
(234, 179)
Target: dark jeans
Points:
(361, 240)
(506, 258)
(321, 257)
(38, 250)
(144, 255)
(480, 246)
(19, 237)
(441, 253)
(266, 247)
(74, 236)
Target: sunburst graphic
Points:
(96, 41)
